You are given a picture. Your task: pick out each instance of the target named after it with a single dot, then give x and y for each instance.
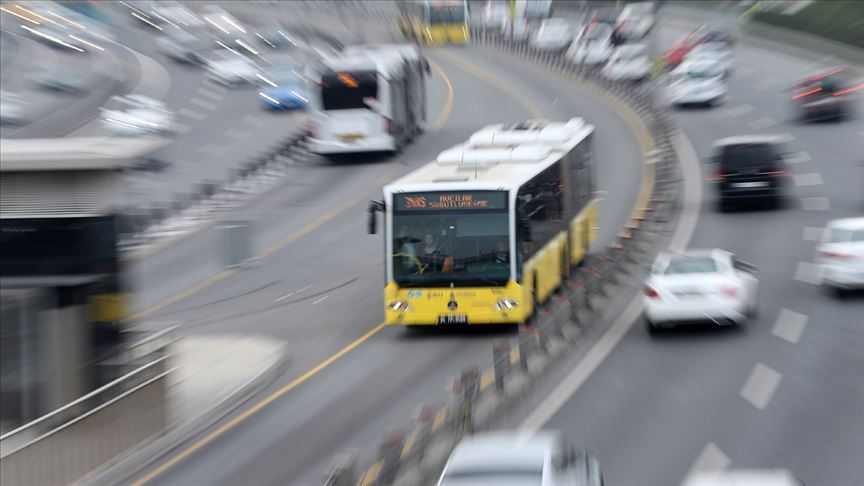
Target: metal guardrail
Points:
(477, 397)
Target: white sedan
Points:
(231, 68)
(628, 63)
(841, 254)
(593, 47)
(717, 53)
(138, 115)
(700, 286)
(696, 82)
(553, 35)
(744, 477)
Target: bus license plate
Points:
(453, 319)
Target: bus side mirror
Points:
(374, 207)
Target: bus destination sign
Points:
(433, 201)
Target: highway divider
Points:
(416, 454)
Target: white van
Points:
(369, 99)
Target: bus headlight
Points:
(398, 306)
(506, 304)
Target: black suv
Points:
(824, 97)
(749, 168)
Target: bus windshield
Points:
(349, 90)
(465, 246)
(447, 14)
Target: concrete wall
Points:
(71, 451)
(64, 344)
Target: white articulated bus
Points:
(490, 228)
(369, 99)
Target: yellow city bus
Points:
(490, 228)
(435, 22)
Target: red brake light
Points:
(729, 291)
(310, 131)
(651, 293)
(718, 176)
(849, 90)
(837, 255)
(814, 78)
(807, 93)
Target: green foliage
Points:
(842, 21)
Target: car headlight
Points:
(506, 304)
(398, 306)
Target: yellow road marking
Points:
(255, 408)
(438, 421)
(371, 474)
(448, 104)
(487, 378)
(479, 73)
(409, 443)
(186, 293)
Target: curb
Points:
(124, 468)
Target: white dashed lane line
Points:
(289, 294)
(790, 325)
(808, 273)
(211, 149)
(236, 134)
(819, 203)
(811, 179)
(740, 110)
(761, 385)
(798, 157)
(254, 121)
(762, 123)
(203, 104)
(768, 82)
(210, 94)
(191, 114)
(710, 461)
(322, 299)
(813, 233)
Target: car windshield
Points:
(845, 235)
(442, 238)
(747, 155)
(680, 266)
(703, 72)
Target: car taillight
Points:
(718, 176)
(729, 291)
(310, 131)
(651, 293)
(388, 124)
(837, 255)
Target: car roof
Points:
(715, 253)
(746, 139)
(744, 477)
(847, 223)
(493, 449)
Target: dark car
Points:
(823, 97)
(749, 169)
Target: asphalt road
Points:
(783, 391)
(321, 289)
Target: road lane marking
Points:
(820, 203)
(504, 87)
(289, 294)
(184, 294)
(790, 325)
(798, 157)
(813, 233)
(202, 103)
(808, 273)
(761, 385)
(809, 179)
(448, 103)
(710, 462)
(322, 299)
(740, 110)
(768, 82)
(210, 94)
(237, 134)
(254, 121)
(762, 123)
(371, 474)
(191, 114)
(255, 408)
(211, 149)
